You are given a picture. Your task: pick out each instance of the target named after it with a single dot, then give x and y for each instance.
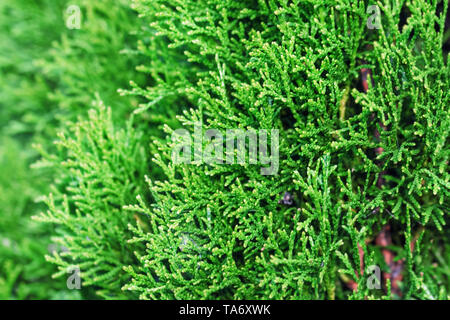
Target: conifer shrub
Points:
(101, 157)
(356, 111)
(50, 75)
(27, 29)
(225, 231)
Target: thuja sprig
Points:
(100, 172)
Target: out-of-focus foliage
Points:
(27, 29)
(49, 77)
(24, 273)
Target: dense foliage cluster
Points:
(362, 177)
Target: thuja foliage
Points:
(100, 157)
(27, 29)
(353, 158)
(49, 76)
(98, 59)
(24, 273)
(104, 166)
(219, 231)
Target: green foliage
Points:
(98, 59)
(102, 171)
(24, 274)
(27, 29)
(49, 76)
(219, 231)
(353, 161)
(102, 158)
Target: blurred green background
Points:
(49, 76)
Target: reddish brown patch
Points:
(384, 239)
